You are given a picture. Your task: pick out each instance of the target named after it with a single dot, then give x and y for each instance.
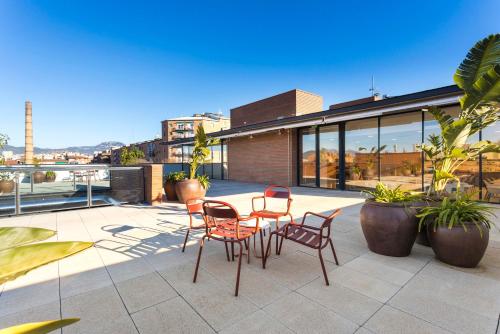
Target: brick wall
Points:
(291, 103)
(265, 158)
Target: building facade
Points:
(351, 146)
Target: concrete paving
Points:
(137, 280)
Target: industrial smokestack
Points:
(28, 134)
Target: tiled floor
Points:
(136, 280)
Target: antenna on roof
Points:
(373, 89)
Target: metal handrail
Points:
(32, 168)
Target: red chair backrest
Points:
(275, 191)
(328, 221)
(216, 210)
(194, 206)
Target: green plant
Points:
(384, 194)
(457, 212)
(3, 141)
(50, 174)
(201, 150)
(204, 181)
(372, 156)
(479, 77)
(356, 170)
(21, 251)
(175, 176)
(130, 156)
(36, 162)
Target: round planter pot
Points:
(38, 177)
(6, 186)
(457, 247)
(49, 178)
(389, 228)
(169, 188)
(189, 189)
(369, 173)
(422, 234)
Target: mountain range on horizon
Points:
(80, 149)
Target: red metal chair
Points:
(222, 223)
(194, 208)
(278, 192)
(309, 236)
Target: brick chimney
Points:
(28, 134)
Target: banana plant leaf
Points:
(18, 261)
(17, 236)
(456, 134)
(39, 327)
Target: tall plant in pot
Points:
(6, 178)
(169, 185)
(196, 185)
(479, 77)
(38, 176)
(388, 221)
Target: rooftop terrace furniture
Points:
(309, 236)
(194, 209)
(223, 223)
(276, 192)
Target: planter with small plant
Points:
(38, 176)
(6, 178)
(196, 186)
(50, 176)
(389, 221)
(458, 230)
(169, 185)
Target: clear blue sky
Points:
(112, 70)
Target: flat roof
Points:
(403, 101)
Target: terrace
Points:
(137, 280)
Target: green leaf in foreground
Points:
(18, 261)
(39, 327)
(17, 236)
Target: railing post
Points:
(31, 181)
(89, 190)
(17, 198)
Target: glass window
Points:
(468, 172)
(491, 166)
(400, 159)
(361, 154)
(329, 156)
(308, 157)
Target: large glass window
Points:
(468, 172)
(308, 157)
(361, 154)
(329, 156)
(491, 166)
(400, 159)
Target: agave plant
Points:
(20, 252)
(479, 77)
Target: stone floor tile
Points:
(39, 313)
(391, 321)
(346, 302)
(257, 323)
(144, 291)
(304, 316)
(100, 311)
(379, 270)
(172, 316)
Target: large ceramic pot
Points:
(169, 188)
(369, 172)
(422, 234)
(6, 186)
(189, 189)
(50, 177)
(38, 177)
(457, 247)
(389, 228)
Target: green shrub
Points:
(384, 194)
(175, 176)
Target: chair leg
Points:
(185, 240)
(247, 245)
(239, 269)
(227, 250)
(334, 254)
(268, 248)
(232, 251)
(202, 241)
(262, 248)
(281, 245)
(277, 227)
(323, 266)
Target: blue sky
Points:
(112, 70)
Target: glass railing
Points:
(27, 189)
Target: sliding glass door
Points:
(308, 157)
(329, 156)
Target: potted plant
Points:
(479, 77)
(38, 176)
(458, 230)
(370, 162)
(388, 221)
(356, 173)
(6, 179)
(407, 168)
(169, 185)
(196, 185)
(50, 176)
